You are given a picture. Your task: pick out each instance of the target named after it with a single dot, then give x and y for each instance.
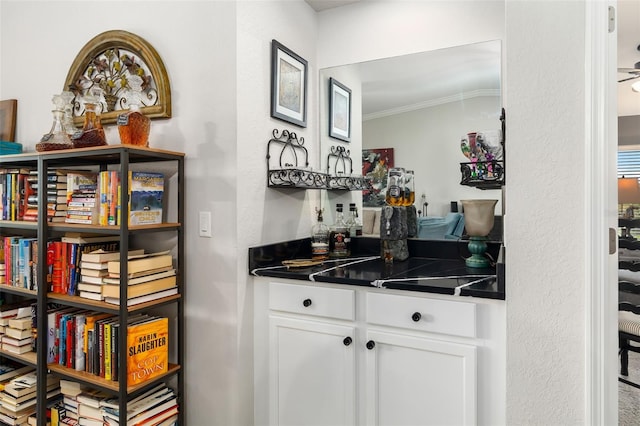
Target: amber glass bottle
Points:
(92, 133)
(133, 125)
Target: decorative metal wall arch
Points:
(106, 61)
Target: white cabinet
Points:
(327, 354)
(312, 373)
(416, 381)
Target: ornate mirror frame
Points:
(106, 61)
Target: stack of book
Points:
(89, 413)
(150, 277)
(8, 312)
(18, 398)
(56, 188)
(94, 268)
(65, 412)
(17, 335)
(10, 148)
(83, 200)
(158, 406)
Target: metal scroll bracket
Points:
(288, 163)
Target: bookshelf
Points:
(123, 159)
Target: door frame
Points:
(601, 384)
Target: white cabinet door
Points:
(311, 373)
(418, 381)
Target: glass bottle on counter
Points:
(339, 236)
(133, 125)
(395, 187)
(353, 222)
(57, 138)
(409, 188)
(319, 238)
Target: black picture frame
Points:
(339, 111)
(288, 85)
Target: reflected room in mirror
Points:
(420, 107)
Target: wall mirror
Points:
(420, 105)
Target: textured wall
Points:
(545, 100)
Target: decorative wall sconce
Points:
(106, 62)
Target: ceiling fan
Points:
(633, 72)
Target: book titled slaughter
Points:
(147, 350)
(146, 192)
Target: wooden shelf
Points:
(108, 385)
(28, 358)
(81, 302)
(18, 290)
(18, 224)
(96, 229)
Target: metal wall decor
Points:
(288, 166)
(106, 62)
(292, 166)
(340, 170)
(487, 174)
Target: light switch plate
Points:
(205, 224)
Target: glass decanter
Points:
(133, 125)
(67, 122)
(57, 138)
(92, 133)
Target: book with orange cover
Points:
(147, 350)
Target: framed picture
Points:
(8, 112)
(339, 111)
(288, 85)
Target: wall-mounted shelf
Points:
(483, 174)
(291, 169)
(487, 174)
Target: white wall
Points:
(427, 141)
(266, 215)
(545, 221)
(217, 55)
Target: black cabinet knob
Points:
(347, 341)
(306, 303)
(371, 344)
(416, 316)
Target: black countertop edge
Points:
(274, 253)
(265, 261)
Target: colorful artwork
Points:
(375, 165)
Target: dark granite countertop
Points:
(434, 267)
